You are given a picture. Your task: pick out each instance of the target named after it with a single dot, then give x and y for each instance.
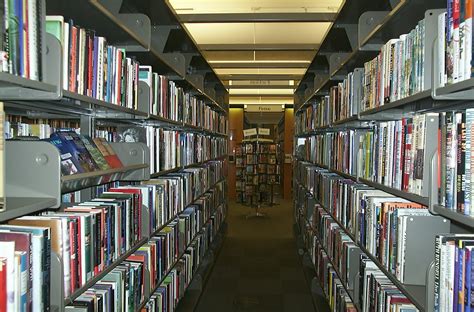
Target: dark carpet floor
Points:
(258, 268)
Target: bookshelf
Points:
(332, 133)
(259, 170)
(196, 111)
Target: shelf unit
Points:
(359, 43)
(256, 196)
(420, 296)
(150, 32)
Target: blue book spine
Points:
(460, 288)
(24, 281)
(95, 58)
(467, 281)
(456, 279)
(19, 14)
(109, 230)
(69, 164)
(109, 74)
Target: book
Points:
(108, 153)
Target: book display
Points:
(113, 194)
(383, 156)
(258, 171)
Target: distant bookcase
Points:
(258, 171)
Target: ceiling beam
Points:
(257, 17)
(259, 65)
(259, 47)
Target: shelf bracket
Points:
(430, 287)
(368, 21)
(159, 38)
(144, 98)
(352, 33)
(52, 75)
(197, 80)
(336, 62)
(138, 25)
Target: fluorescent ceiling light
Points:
(261, 91)
(279, 100)
(262, 62)
(258, 33)
(260, 71)
(255, 6)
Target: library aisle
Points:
(258, 268)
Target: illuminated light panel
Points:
(261, 91)
(260, 71)
(263, 62)
(306, 56)
(279, 100)
(255, 6)
(258, 33)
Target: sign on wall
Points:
(263, 131)
(264, 108)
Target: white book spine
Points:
(65, 56)
(34, 57)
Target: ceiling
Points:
(260, 49)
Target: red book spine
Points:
(72, 60)
(406, 170)
(79, 253)
(73, 262)
(90, 64)
(3, 285)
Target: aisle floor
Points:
(258, 268)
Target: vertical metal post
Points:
(87, 128)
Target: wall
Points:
(236, 124)
(288, 149)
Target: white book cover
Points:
(7, 251)
(468, 40)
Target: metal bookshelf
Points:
(368, 29)
(33, 177)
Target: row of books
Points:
(170, 257)
(169, 149)
(395, 153)
(453, 272)
(455, 175)
(314, 116)
(90, 66)
(22, 42)
(339, 262)
(91, 235)
(455, 42)
(169, 293)
(197, 113)
(398, 70)
(17, 126)
(376, 219)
